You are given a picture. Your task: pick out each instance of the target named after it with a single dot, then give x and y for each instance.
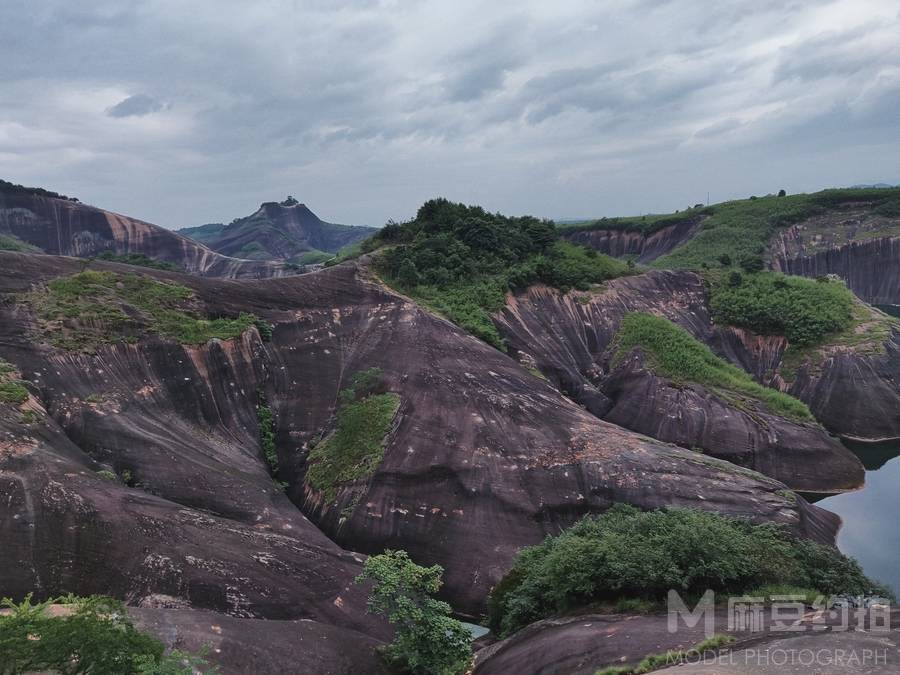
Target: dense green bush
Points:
(803, 310)
(461, 260)
(93, 635)
(674, 353)
(427, 639)
(629, 553)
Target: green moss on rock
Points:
(92, 308)
(356, 447)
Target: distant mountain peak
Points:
(286, 231)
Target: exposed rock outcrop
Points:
(567, 337)
(871, 268)
(856, 244)
(65, 227)
(741, 431)
(644, 247)
(242, 646)
(483, 459)
(583, 645)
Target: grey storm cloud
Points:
(183, 113)
(135, 106)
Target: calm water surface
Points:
(871, 531)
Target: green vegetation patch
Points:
(356, 447)
(460, 261)
(867, 333)
(740, 230)
(138, 260)
(643, 554)
(674, 353)
(11, 390)
(86, 310)
(427, 639)
(9, 242)
(83, 635)
(805, 311)
(16, 189)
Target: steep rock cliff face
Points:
(858, 394)
(644, 247)
(567, 337)
(852, 389)
(63, 227)
(483, 457)
(861, 247)
(741, 431)
(137, 472)
(871, 268)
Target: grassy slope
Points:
(673, 353)
(742, 228)
(9, 242)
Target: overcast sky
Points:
(186, 112)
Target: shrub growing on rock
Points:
(629, 553)
(83, 635)
(768, 303)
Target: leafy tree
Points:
(782, 193)
(407, 274)
(427, 639)
(752, 264)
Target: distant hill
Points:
(35, 220)
(287, 231)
